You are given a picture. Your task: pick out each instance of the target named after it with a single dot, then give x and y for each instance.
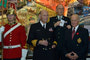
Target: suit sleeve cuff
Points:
(34, 42)
(55, 42)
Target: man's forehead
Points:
(60, 6)
(44, 13)
(74, 16)
(74, 19)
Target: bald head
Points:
(43, 11)
(60, 9)
(75, 16)
(44, 16)
(75, 20)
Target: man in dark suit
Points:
(59, 29)
(57, 19)
(41, 37)
(76, 41)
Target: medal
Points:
(79, 40)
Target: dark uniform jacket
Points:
(78, 44)
(59, 31)
(37, 32)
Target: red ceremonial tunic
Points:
(16, 37)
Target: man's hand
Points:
(68, 55)
(57, 23)
(75, 56)
(53, 46)
(69, 26)
(72, 57)
(43, 42)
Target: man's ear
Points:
(39, 15)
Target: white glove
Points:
(24, 54)
(23, 58)
(1, 30)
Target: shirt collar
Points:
(59, 17)
(75, 28)
(42, 23)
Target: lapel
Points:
(42, 28)
(63, 18)
(76, 34)
(70, 32)
(42, 32)
(47, 26)
(56, 18)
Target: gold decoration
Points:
(11, 11)
(55, 42)
(79, 40)
(25, 46)
(34, 42)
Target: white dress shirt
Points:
(43, 25)
(59, 17)
(75, 28)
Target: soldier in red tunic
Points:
(14, 39)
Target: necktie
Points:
(73, 32)
(60, 18)
(44, 26)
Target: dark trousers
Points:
(40, 54)
(12, 59)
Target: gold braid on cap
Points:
(10, 11)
